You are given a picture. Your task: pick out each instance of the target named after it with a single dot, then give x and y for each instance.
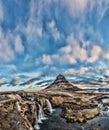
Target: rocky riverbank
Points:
(26, 110)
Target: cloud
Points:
(46, 59)
(74, 50)
(1, 12)
(54, 30)
(95, 54)
(2, 81)
(105, 55)
(6, 52)
(76, 7)
(32, 30)
(7, 41)
(103, 6)
(11, 67)
(72, 71)
(29, 74)
(63, 59)
(71, 24)
(19, 48)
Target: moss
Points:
(81, 115)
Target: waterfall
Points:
(36, 126)
(41, 115)
(39, 118)
(49, 106)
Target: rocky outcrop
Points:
(81, 115)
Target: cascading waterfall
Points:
(36, 126)
(49, 106)
(40, 117)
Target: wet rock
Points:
(81, 115)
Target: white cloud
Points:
(29, 74)
(106, 55)
(11, 67)
(81, 52)
(33, 29)
(9, 44)
(46, 59)
(19, 48)
(63, 58)
(103, 6)
(74, 50)
(95, 54)
(1, 12)
(54, 30)
(76, 7)
(66, 59)
(6, 52)
(3, 80)
(72, 71)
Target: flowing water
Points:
(41, 116)
(49, 106)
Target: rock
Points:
(57, 100)
(81, 115)
(14, 110)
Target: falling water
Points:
(40, 117)
(49, 106)
(36, 126)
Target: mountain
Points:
(61, 83)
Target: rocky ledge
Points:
(25, 110)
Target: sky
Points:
(48, 37)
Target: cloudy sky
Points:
(47, 37)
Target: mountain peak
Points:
(62, 83)
(60, 78)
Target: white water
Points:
(40, 117)
(36, 126)
(49, 106)
(104, 109)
